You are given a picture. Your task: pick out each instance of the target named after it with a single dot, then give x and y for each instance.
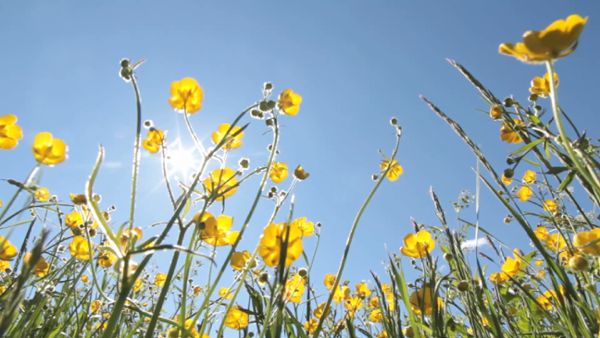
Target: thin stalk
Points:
(594, 183)
(12, 200)
(351, 236)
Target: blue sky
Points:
(356, 64)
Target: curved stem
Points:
(351, 236)
(32, 173)
(136, 149)
(583, 172)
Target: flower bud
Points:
(578, 263)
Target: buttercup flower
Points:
(311, 325)
(376, 316)
(137, 285)
(548, 299)
(186, 95)
(95, 305)
(550, 206)
(106, 259)
(10, 132)
(496, 111)
(80, 248)
(352, 304)
(510, 268)
(216, 230)
(540, 86)
(557, 40)
(508, 134)
(233, 142)
(41, 268)
(279, 172)
(529, 177)
(74, 219)
(342, 292)
(506, 180)
(586, 241)
(421, 301)
(49, 150)
(272, 243)
(294, 288)
(154, 140)
(395, 169)
(221, 182)
(307, 227)
(328, 281)
(160, 279)
(225, 293)
(42, 194)
(240, 259)
(7, 250)
(418, 245)
(524, 193)
(236, 318)
(289, 102)
(555, 242)
(362, 290)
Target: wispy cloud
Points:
(471, 244)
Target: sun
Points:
(181, 161)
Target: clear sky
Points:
(356, 64)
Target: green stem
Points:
(351, 236)
(12, 200)
(136, 150)
(583, 173)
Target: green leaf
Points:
(566, 181)
(527, 146)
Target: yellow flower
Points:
(506, 180)
(160, 279)
(418, 245)
(216, 230)
(524, 193)
(80, 248)
(510, 268)
(389, 296)
(540, 86)
(49, 150)
(547, 299)
(197, 290)
(154, 140)
(10, 132)
(294, 288)
(508, 134)
(106, 259)
(272, 243)
(586, 241)
(529, 177)
(4, 266)
(307, 227)
(289, 102)
(127, 235)
(319, 310)
(190, 330)
(550, 206)
(74, 219)
(240, 259)
(78, 199)
(279, 172)
(342, 292)
(85, 278)
(421, 301)
(395, 169)
(225, 293)
(95, 305)
(7, 250)
(137, 286)
(496, 111)
(236, 318)
(555, 41)
(233, 142)
(41, 267)
(222, 183)
(186, 95)
(311, 325)
(373, 302)
(352, 304)
(362, 290)
(42, 194)
(329, 280)
(376, 316)
(383, 334)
